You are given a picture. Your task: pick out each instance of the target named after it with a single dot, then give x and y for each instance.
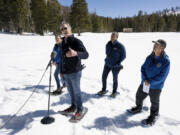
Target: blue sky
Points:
(123, 8)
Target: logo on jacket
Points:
(115, 48)
(159, 65)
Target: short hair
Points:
(65, 23)
(115, 33)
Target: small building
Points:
(127, 29)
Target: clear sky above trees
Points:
(123, 8)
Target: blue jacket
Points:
(155, 70)
(115, 54)
(57, 48)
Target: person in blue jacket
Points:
(56, 62)
(115, 54)
(153, 74)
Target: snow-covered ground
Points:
(24, 58)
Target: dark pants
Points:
(73, 86)
(154, 95)
(115, 73)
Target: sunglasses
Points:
(65, 28)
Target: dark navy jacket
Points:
(72, 64)
(155, 70)
(58, 53)
(115, 54)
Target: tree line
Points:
(37, 16)
(167, 20)
(40, 16)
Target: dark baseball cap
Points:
(160, 42)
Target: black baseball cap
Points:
(160, 42)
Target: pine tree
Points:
(140, 22)
(171, 23)
(102, 24)
(122, 24)
(178, 22)
(96, 23)
(134, 24)
(79, 16)
(161, 24)
(152, 20)
(29, 27)
(5, 15)
(39, 15)
(146, 24)
(107, 24)
(54, 16)
(1, 14)
(65, 11)
(117, 26)
(19, 15)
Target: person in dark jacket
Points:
(153, 75)
(115, 54)
(73, 51)
(56, 62)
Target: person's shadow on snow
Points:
(120, 121)
(65, 98)
(41, 89)
(21, 122)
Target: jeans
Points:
(73, 86)
(115, 73)
(57, 76)
(154, 95)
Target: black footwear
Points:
(135, 110)
(150, 121)
(70, 109)
(57, 92)
(102, 92)
(114, 94)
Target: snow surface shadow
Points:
(18, 123)
(65, 98)
(31, 88)
(171, 122)
(120, 121)
(125, 89)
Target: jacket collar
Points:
(114, 42)
(69, 38)
(163, 54)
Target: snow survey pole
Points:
(47, 119)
